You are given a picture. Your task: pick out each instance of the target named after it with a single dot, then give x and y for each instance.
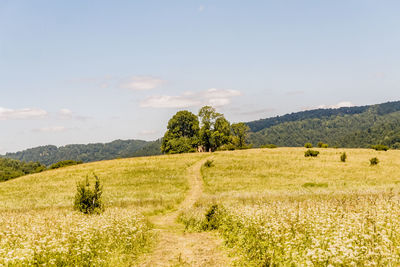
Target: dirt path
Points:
(179, 248)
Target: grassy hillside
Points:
(38, 225)
(152, 183)
(271, 206)
(344, 127)
(274, 206)
(49, 155)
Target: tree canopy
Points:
(209, 130)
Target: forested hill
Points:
(344, 127)
(87, 153)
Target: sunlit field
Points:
(154, 184)
(39, 226)
(275, 206)
(271, 207)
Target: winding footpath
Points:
(179, 248)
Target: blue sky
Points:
(94, 71)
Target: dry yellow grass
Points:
(277, 207)
(280, 207)
(151, 183)
(286, 169)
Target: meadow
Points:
(270, 206)
(276, 207)
(38, 225)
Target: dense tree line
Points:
(378, 124)
(49, 155)
(10, 168)
(208, 131)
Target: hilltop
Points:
(343, 127)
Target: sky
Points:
(83, 71)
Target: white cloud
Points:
(21, 114)
(140, 83)
(342, 104)
(166, 101)
(214, 97)
(51, 129)
(201, 8)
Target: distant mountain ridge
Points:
(343, 127)
(87, 153)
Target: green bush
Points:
(209, 163)
(374, 161)
(87, 200)
(343, 157)
(212, 218)
(311, 153)
(380, 147)
(64, 163)
(322, 145)
(269, 146)
(308, 145)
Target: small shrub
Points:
(212, 221)
(269, 146)
(315, 185)
(311, 153)
(209, 163)
(343, 157)
(322, 145)
(89, 200)
(374, 161)
(308, 145)
(380, 147)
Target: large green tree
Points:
(222, 132)
(240, 131)
(182, 133)
(208, 116)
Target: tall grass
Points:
(280, 208)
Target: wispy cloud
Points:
(22, 114)
(142, 83)
(136, 82)
(214, 97)
(201, 8)
(67, 114)
(51, 129)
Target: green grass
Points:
(151, 183)
(278, 207)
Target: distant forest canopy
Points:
(344, 127)
(10, 168)
(49, 155)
